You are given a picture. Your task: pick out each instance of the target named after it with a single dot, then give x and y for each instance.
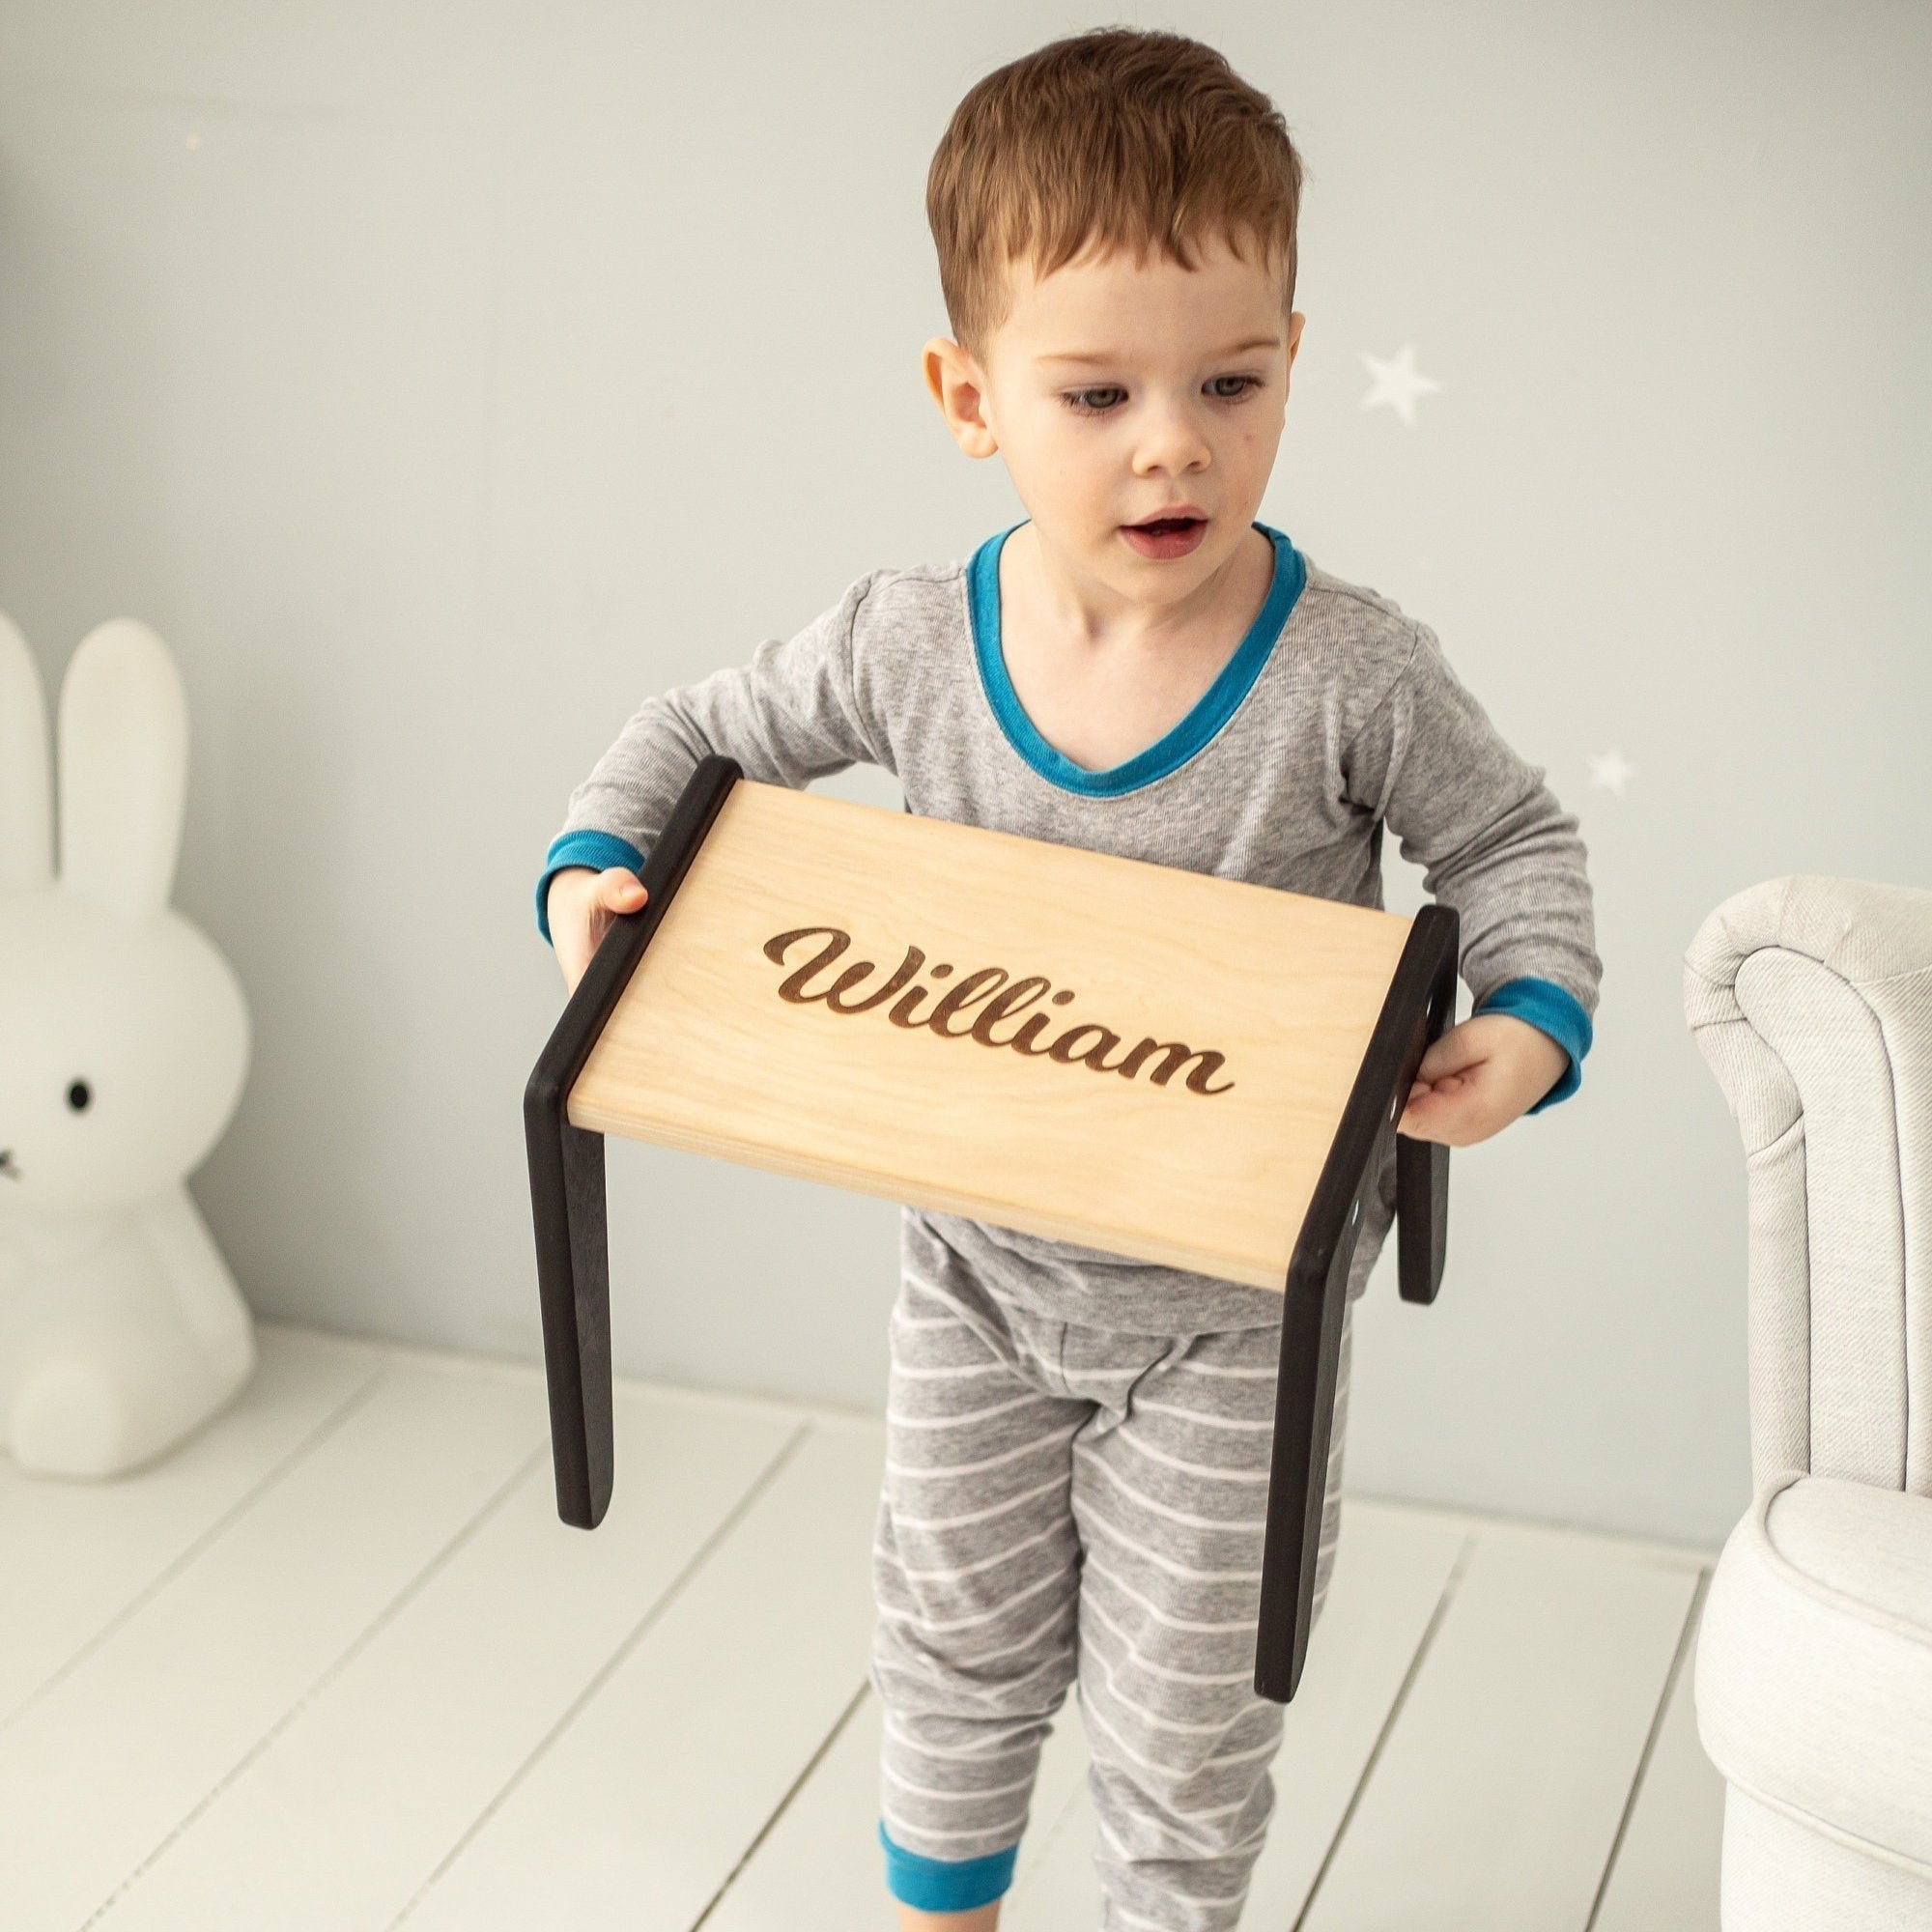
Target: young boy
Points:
(1078, 1445)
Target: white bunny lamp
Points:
(123, 1040)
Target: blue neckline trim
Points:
(1168, 753)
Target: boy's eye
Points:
(1232, 389)
(1096, 402)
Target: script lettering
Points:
(775, 948)
(853, 974)
(1179, 1054)
(974, 988)
(1010, 999)
(988, 995)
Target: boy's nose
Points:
(1171, 440)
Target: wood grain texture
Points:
(702, 1053)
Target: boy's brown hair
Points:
(1114, 139)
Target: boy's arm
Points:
(793, 714)
(1495, 843)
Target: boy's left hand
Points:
(1478, 1077)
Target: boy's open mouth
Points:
(1166, 536)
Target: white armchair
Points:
(1812, 1001)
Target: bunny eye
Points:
(79, 1096)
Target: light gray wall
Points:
(439, 379)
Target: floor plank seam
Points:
(521, 1372)
(1668, 1552)
(1637, 1844)
(381, 1622)
(667, 1597)
(798, 1784)
(1450, 1585)
(1677, 1661)
(213, 1534)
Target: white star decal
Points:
(1610, 770)
(1397, 382)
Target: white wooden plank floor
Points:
(336, 1668)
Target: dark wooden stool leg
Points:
(566, 1166)
(1422, 1167)
(574, 1279)
(1304, 1415)
(1420, 997)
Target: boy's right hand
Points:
(581, 905)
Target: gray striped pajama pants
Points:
(1068, 1504)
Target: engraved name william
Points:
(976, 1004)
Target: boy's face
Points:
(1138, 404)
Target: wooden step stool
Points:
(1151, 1062)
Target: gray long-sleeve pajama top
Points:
(1336, 715)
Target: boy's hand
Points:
(1478, 1077)
(581, 905)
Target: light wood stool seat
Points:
(1153, 1063)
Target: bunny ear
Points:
(123, 769)
(26, 828)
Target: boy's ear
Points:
(958, 386)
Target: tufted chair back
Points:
(1812, 999)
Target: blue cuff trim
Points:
(1552, 1009)
(939, 1884)
(599, 850)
